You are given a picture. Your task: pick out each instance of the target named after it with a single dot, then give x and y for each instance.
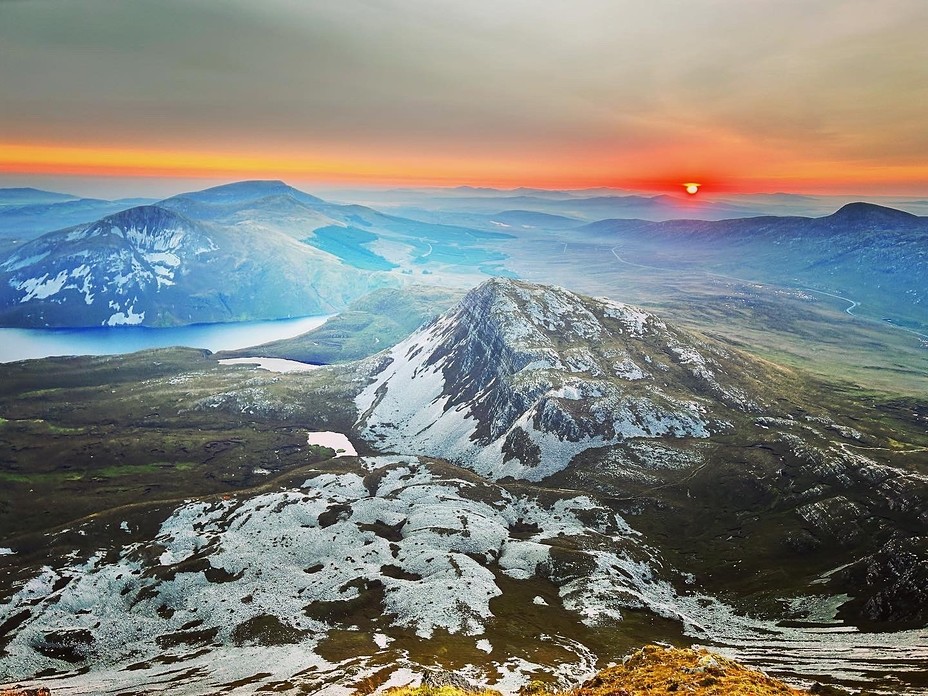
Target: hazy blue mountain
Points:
(871, 254)
(150, 265)
(360, 236)
(28, 221)
(220, 201)
(31, 196)
(255, 249)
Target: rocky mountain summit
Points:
(520, 378)
(538, 383)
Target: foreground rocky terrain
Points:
(542, 481)
(653, 671)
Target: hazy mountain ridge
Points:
(356, 234)
(26, 195)
(25, 222)
(241, 192)
(150, 265)
(871, 254)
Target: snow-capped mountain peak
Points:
(112, 265)
(520, 378)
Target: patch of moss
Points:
(439, 691)
(651, 671)
(659, 671)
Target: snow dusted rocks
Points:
(518, 379)
(409, 558)
(425, 547)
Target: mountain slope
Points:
(152, 266)
(519, 378)
(538, 383)
(875, 256)
(368, 325)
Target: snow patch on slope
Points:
(43, 287)
(222, 563)
(131, 253)
(532, 403)
(128, 317)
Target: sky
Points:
(816, 96)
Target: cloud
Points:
(521, 78)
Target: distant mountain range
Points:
(589, 208)
(150, 265)
(249, 250)
(872, 255)
(264, 250)
(600, 203)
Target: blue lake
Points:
(25, 344)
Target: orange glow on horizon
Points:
(424, 168)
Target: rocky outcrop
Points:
(653, 671)
(660, 671)
(442, 679)
(520, 378)
(890, 586)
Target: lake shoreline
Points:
(18, 344)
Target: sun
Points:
(692, 188)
